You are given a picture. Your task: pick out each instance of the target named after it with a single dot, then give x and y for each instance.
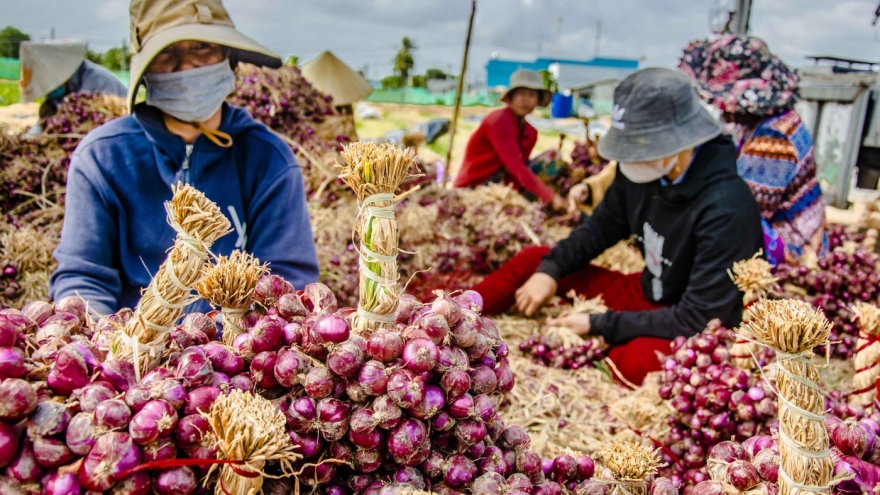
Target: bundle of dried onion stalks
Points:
(198, 222)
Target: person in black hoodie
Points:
(678, 193)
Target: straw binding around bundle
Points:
(867, 354)
(374, 173)
(198, 222)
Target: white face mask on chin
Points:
(644, 172)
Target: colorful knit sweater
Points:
(776, 161)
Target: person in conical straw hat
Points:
(56, 69)
(498, 151)
(678, 194)
(115, 233)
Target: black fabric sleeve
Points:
(604, 228)
(724, 235)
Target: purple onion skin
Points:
(18, 399)
(60, 484)
(118, 373)
(49, 418)
(175, 481)
(114, 453)
(460, 472)
(135, 484)
(80, 436)
(51, 452)
(23, 467)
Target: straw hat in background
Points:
(47, 65)
(156, 24)
(332, 77)
(528, 79)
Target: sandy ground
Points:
(18, 117)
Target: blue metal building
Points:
(571, 72)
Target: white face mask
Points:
(644, 172)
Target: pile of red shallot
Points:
(841, 280)
(547, 349)
(413, 405)
(712, 401)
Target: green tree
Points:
(94, 57)
(403, 61)
(116, 58)
(391, 82)
(10, 39)
(419, 81)
(436, 74)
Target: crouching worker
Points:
(679, 194)
(499, 149)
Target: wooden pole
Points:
(458, 91)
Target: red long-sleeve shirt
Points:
(502, 142)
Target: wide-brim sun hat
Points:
(156, 24)
(738, 74)
(47, 65)
(528, 79)
(333, 77)
(656, 114)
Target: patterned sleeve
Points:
(778, 165)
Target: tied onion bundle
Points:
(375, 173)
(752, 277)
(867, 355)
(198, 223)
(230, 284)
(793, 329)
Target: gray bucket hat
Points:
(656, 114)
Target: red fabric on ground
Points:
(621, 292)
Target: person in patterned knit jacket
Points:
(756, 93)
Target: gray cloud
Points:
(366, 33)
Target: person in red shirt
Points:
(499, 149)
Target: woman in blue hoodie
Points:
(115, 234)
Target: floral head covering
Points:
(738, 74)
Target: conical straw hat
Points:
(331, 76)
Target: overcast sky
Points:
(366, 33)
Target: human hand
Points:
(535, 292)
(577, 196)
(579, 323)
(559, 203)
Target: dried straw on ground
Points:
(374, 173)
(229, 284)
(29, 249)
(793, 329)
(867, 354)
(754, 278)
(198, 223)
(630, 465)
(583, 410)
(252, 430)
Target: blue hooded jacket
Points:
(115, 233)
